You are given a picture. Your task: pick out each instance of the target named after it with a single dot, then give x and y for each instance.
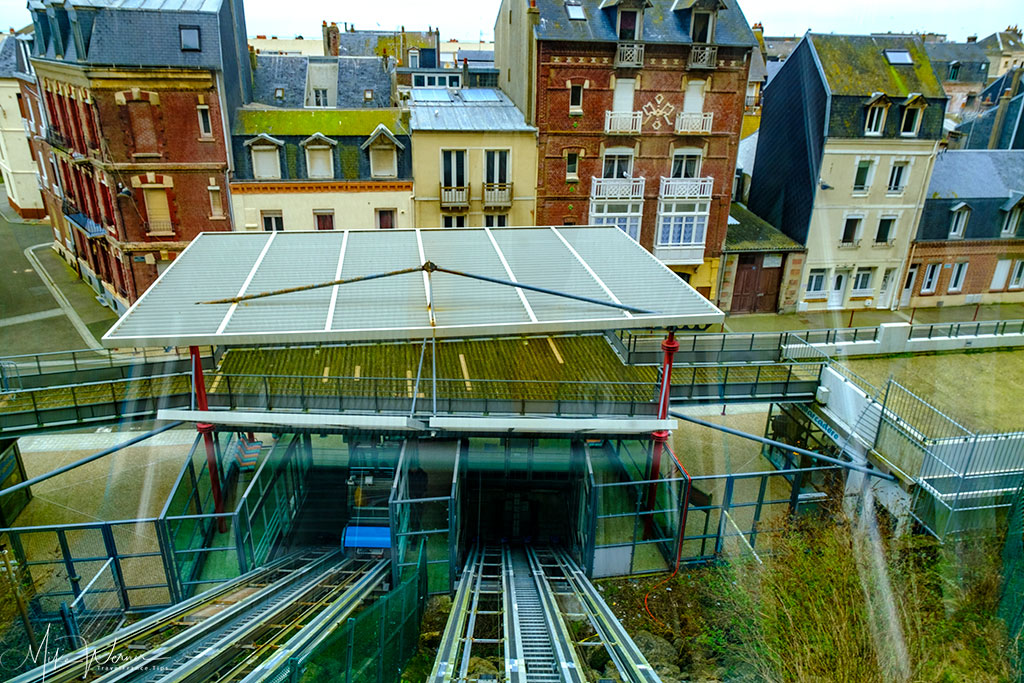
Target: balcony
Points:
(849, 244)
(497, 195)
(703, 57)
(159, 228)
(617, 188)
(687, 188)
(81, 221)
(698, 123)
(629, 55)
(55, 139)
(455, 196)
(623, 122)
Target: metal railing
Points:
(849, 244)
(617, 188)
(694, 122)
(629, 55)
(752, 101)
(74, 214)
(703, 57)
(967, 329)
(54, 362)
(687, 188)
(160, 227)
(497, 195)
(454, 196)
(623, 122)
(58, 140)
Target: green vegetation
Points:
(803, 615)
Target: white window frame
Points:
(957, 277)
(879, 126)
(917, 122)
(896, 191)
(496, 220)
(319, 102)
(572, 170)
(931, 278)
(711, 27)
(816, 279)
(264, 215)
(1012, 222)
(323, 212)
(414, 58)
(216, 207)
(685, 153)
(394, 218)
(675, 219)
(205, 129)
(863, 288)
(891, 237)
(618, 152)
(277, 161)
(628, 221)
(1000, 275)
(576, 108)
(451, 220)
(637, 27)
(859, 217)
(1017, 276)
(330, 161)
(958, 222)
(391, 172)
(868, 179)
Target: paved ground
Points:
(772, 322)
(32, 318)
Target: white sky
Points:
(469, 19)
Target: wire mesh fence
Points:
(1011, 604)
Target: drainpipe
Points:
(206, 430)
(660, 437)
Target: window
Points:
(693, 102)
(324, 220)
(958, 221)
(898, 57)
(158, 211)
(205, 124)
(456, 221)
(617, 165)
(496, 220)
(216, 205)
(911, 121)
(686, 164)
(383, 161)
(628, 24)
(319, 97)
(319, 161)
(931, 278)
(851, 230)
(140, 114)
(1002, 271)
(414, 58)
(1012, 223)
(496, 166)
(272, 220)
(862, 281)
(862, 181)
(702, 27)
(266, 163)
(897, 178)
(419, 81)
(624, 96)
(189, 38)
(572, 166)
(576, 97)
(816, 281)
(453, 168)
(956, 279)
(682, 223)
(1017, 281)
(885, 229)
(573, 8)
(876, 119)
(625, 215)
(385, 219)
(368, 95)
(279, 93)
(954, 72)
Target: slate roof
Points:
(749, 232)
(660, 24)
(758, 70)
(965, 53)
(355, 75)
(8, 56)
(477, 58)
(470, 109)
(970, 174)
(1002, 41)
(156, 5)
(778, 48)
(857, 65)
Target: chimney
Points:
(332, 39)
(972, 39)
(465, 72)
(1004, 104)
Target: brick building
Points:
(639, 107)
(135, 154)
(969, 247)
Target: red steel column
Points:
(660, 437)
(207, 431)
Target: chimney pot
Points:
(972, 39)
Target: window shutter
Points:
(693, 103)
(320, 162)
(1000, 275)
(143, 130)
(382, 162)
(264, 162)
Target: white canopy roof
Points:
(599, 263)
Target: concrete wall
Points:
(894, 338)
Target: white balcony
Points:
(455, 196)
(497, 195)
(623, 122)
(687, 188)
(703, 57)
(630, 55)
(617, 188)
(694, 122)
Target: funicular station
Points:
(385, 415)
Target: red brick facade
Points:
(982, 258)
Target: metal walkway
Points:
(247, 629)
(514, 604)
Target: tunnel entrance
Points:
(540, 511)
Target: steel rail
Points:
(566, 660)
(447, 651)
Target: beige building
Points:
(1005, 51)
(17, 164)
(474, 159)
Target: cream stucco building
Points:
(17, 165)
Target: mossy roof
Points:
(305, 122)
(857, 65)
(749, 232)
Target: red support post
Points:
(199, 386)
(660, 437)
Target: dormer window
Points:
(414, 58)
(382, 148)
(189, 37)
(954, 72)
(319, 156)
(910, 124)
(1013, 221)
(629, 24)
(876, 119)
(960, 214)
(702, 27)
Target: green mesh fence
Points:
(375, 645)
(1011, 605)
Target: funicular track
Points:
(232, 632)
(535, 611)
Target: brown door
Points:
(768, 289)
(744, 295)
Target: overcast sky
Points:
(469, 19)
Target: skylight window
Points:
(574, 8)
(898, 57)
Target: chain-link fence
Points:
(1011, 604)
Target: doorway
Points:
(908, 287)
(758, 278)
(837, 293)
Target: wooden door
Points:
(744, 295)
(768, 289)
